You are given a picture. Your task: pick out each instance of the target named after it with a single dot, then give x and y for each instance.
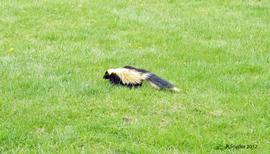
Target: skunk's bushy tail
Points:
(160, 83)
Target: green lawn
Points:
(53, 54)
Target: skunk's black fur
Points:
(137, 69)
(133, 77)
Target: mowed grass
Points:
(53, 54)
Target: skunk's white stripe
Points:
(129, 76)
(175, 89)
(154, 85)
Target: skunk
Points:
(133, 77)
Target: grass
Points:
(53, 54)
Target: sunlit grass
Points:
(54, 53)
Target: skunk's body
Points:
(133, 77)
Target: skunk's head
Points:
(106, 75)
